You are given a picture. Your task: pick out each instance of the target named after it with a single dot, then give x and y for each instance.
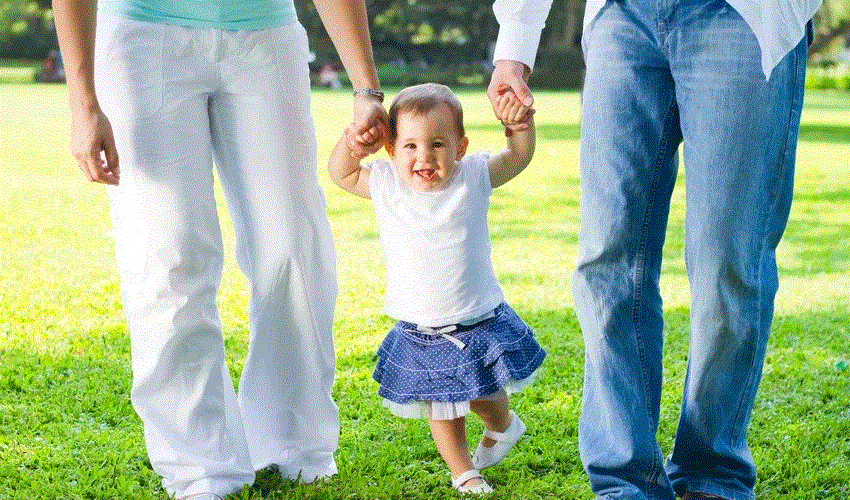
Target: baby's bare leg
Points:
(450, 437)
(495, 413)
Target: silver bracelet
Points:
(373, 92)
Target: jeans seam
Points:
(776, 181)
(640, 279)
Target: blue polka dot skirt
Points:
(470, 362)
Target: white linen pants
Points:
(178, 98)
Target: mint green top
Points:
(219, 14)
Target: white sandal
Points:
(478, 489)
(489, 456)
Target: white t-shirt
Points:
(437, 245)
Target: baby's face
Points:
(427, 148)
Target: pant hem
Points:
(218, 485)
(308, 474)
(703, 486)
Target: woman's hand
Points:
(93, 145)
(368, 131)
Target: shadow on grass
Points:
(836, 134)
(519, 231)
(809, 132)
(820, 247)
(548, 131)
(840, 196)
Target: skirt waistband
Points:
(464, 325)
(445, 331)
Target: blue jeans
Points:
(660, 73)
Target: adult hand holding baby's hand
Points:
(510, 77)
(368, 132)
(362, 144)
(513, 114)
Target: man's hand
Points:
(368, 133)
(91, 134)
(513, 114)
(511, 76)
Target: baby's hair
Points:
(420, 99)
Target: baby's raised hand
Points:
(368, 132)
(513, 114)
(362, 143)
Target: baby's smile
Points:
(426, 174)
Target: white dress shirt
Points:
(520, 24)
(778, 25)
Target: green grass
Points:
(18, 70)
(67, 429)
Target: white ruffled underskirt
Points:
(450, 410)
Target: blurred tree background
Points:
(451, 41)
(448, 41)
(26, 29)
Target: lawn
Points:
(18, 70)
(67, 429)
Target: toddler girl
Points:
(457, 347)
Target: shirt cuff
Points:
(517, 42)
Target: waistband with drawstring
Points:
(444, 331)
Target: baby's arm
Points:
(344, 169)
(513, 160)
